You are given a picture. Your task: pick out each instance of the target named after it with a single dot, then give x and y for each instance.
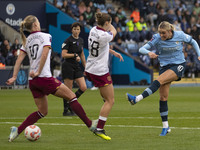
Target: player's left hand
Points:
(33, 74)
(118, 55)
(199, 58)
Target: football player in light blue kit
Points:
(169, 44)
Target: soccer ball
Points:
(32, 133)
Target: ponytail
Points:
(22, 33)
(26, 25)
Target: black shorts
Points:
(71, 71)
(177, 68)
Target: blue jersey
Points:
(170, 51)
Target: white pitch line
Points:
(181, 118)
(119, 126)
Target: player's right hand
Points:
(152, 55)
(33, 74)
(10, 81)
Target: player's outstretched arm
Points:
(196, 47)
(118, 55)
(19, 60)
(144, 50)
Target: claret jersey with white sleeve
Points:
(35, 43)
(98, 45)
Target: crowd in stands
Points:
(8, 51)
(146, 16)
(134, 30)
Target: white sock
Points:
(165, 124)
(102, 118)
(139, 98)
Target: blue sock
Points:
(150, 90)
(164, 110)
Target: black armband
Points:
(75, 55)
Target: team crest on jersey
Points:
(152, 39)
(177, 42)
(180, 68)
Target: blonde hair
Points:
(101, 18)
(26, 25)
(166, 25)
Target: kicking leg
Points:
(66, 93)
(166, 77)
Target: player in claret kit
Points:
(97, 69)
(169, 44)
(38, 48)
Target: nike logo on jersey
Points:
(63, 45)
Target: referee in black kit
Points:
(72, 53)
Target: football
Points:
(32, 133)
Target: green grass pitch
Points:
(130, 127)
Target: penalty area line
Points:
(118, 126)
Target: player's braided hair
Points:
(101, 18)
(26, 25)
